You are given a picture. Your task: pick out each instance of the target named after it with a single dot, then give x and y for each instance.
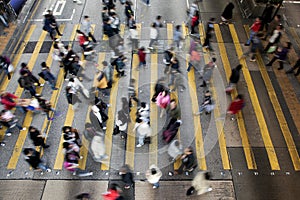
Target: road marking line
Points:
(249, 155)
(131, 135)
(278, 111)
(170, 33)
(256, 106)
(69, 117)
(28, 117)
(110, 123)
(153, 112)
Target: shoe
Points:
(247, 44)
(280, 68)
(126, 187)
(48, 170)
(46, 146)
(187, 173)
(171, 174)
(268, 65)
(42, 84)
(154, 187)
(209, 189)
(150, 48)
(149, 5)
(104, 128)
(181, 90)
(23, 129)
(79, 2)
(8, 134)
(202, 85)
(139, 145)
(252, 60)
(60, 34)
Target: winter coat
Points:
(142, 56)
(95, 121)
(153, 178)
(8, 101)
(208, 71)
(236, 106)
(143, 129)
(163, 101)
(34, 160)
(98, 147)
(235, 76)
(26, 81)
(37, 141)
(173, 150)
(174, 113)
(200, 183)
(227, 13)
(188, 161)
(102, 81)
(281, 55)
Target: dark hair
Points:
(143, 104)
(31, 127)
(27, 150)
(43, 64)
(104, 63)
(173, 100)
(71, 79)
(138, 120)
(85, 17)
(239, 67)
(239, 96)
(177, 27)
(214, 59)
(207, 175)
(153, 171)
(23, 65)
(153, 25)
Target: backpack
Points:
(21, 82)
(167, 58)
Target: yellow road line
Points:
(153, 113)
(122, 30)
(110, 122)
(73, 34)
(19, 54)
(60, 155)
(278, 111)
(170, 33)
(256, 106)
(28, 118)
(249, 155)
(197, 124)
(131, 136)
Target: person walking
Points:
(127, 176)
(193, 8)
(227, 13)
(168, 55)
(256, 45)
(128, 12)
(143, 130)
(86, 27)
(275, 38)
(272, 26)
(8, 119)
(173, 111)
(236, 105)
(108, 73)
(253, 30)
(72, 97)
(6, 65)
(207, 104)
(132, 93)
(234, 78)
(48, 76)
(153, 35)
(297, 65)
(37, 138)
(281, 55)
(153, 174)
(10, 101)
(188, 162)
(160, 86)
(98, 147)
(32, 157)
(163, 100)
(200, 184)
(195, 22)
(142, 58)
(208, 72)
(178, 37)
(27, 82)
(24, 68)
(48, 26)
(96, 118)
(175, 150)
(53, 22)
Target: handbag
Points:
(272, 49)
(10, 68)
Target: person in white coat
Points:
(98, 147)
(200, 184)
(175, 150)
(153, 175)
(143, 130)
(153, 35)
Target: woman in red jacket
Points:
(195, 22)
(236, 105)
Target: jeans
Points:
(141, 139)
(8, 130)
(31, 90)
(252, 34)
(156, 184)
(43, 166)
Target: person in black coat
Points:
(159, 87)
(127, 176)
(96, 118)
(34, 160)
(227, 13)
(37, 137)
(235, 75)
(188, 161)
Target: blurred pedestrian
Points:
(27, 82)
(200, 184)
(142, 58)
(48, 76)
(24, 68)
(280, 55)
(163, 100)
(178, 37)
(53, 22)
(159, 87)
(132, 93)
(72, 97)
(208, 72)
(37, 137)
(32, 157)
(153, 35)
(168, 55)
(153, 175)
(6, 65)
(112, 193)
(227, 13)
(256, 46)
(207, 104)
(253, 30)
(86, 27)
(297, 65)
(143, 130)
(127, 176)
(98, 147)
(275, 38)
(234, 78)
(189, 162)
(272, 26)
(175, 150)
(195, 22)
(236, 105)
(96, 118)
(8, 119)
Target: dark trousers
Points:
(92, 36)
(31, 90)
(274, 59)
(297, 65)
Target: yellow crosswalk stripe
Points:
(131, 136)
(28, 118)
(170, 33)
(153, 113)
(257, 109)
(249, 155)
(73, 34)
(69, 117)
(278, 111)
(219, 124)
(110, 123)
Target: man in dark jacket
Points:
(48, 76)
(96, 118)
(235, 75)
(33, 158)
(37, 138)
(27, 82)
(227, 13)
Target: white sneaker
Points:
(8, 134)
(209, 189)
(79, 2)
(104, 128)
(149, 5)
(139, 145)
(24, 129)
(42, 84)
(48, 170)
